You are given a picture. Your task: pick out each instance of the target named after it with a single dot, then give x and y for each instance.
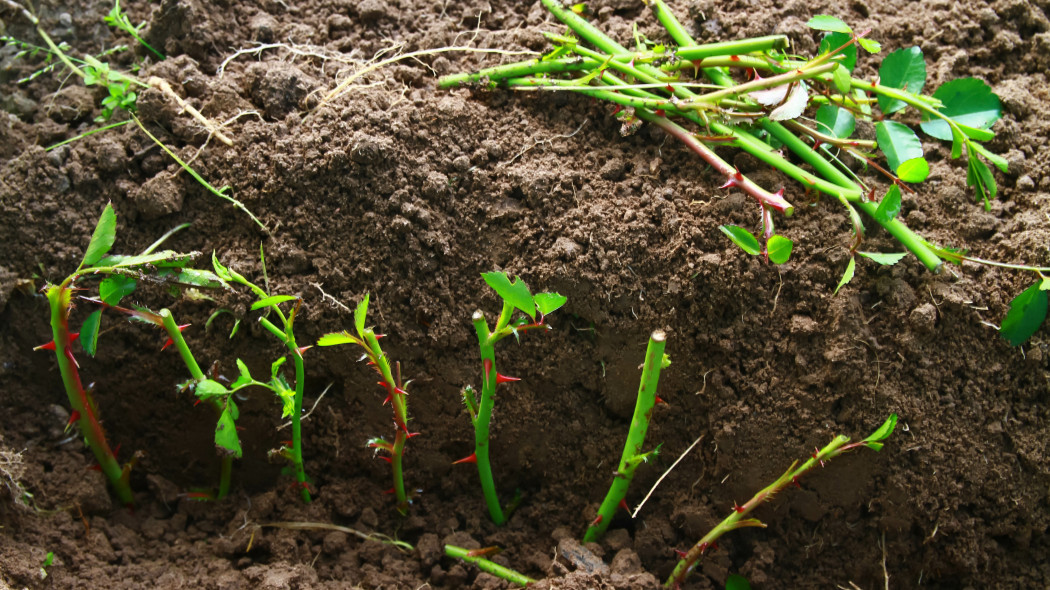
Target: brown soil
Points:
(408, 192)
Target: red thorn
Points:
(381, 384)
(183, 327)
(203, 496)
(72, 418)
(505, 379)
(703, 547)
(197, 403)
(734, 58)
(287, 443)
(669, 88)
(51, 345)
(401, 391)
(116, 449)
(96, 467)
(623, 504)
(660, 400)
(681, 554)
(714, 546)
(239, 428)
(167, 343)
(411, 434)
(303, 349)
(738, 509)
(378, 336)
(730, 183)
(390, 491)
(617, 110)
(660, 113)
(471, 458)
(597, 521)
(387, 400)
(387, 459)
(794, 480)
(487, 365)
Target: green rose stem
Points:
(632, 455)
(286, 335)
(515, 295)
(738, 519)
(80, 399)
(175, 335)
(488, 566)
(397, 395)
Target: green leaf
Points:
(220, 270)
(884, 431)
(833, 41)
(848, 275)
(825, 22)
(1027, 312)
(903, 69)
(272, 300)
(163, 258)
(287, 397)
(779, 249)
(337, 338)
(226, 439)
(516, 293)
(967, 101)
(549, 302)
(737, 582)
(1044, 284)
(245, 377)
(209, 388)
(890, 205)
(102, 238)
(89, 332)
(980, 177)
(741, 237)
(840, 76)
(276, 366)
(869, 45)
(884, 258)
(999, 161)
(974, 133)
(360, 315)
(114, 288)
(913, 170)
(898, 142)
(836, 121)
(192, 277)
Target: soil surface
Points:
(407, 192)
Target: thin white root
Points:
(212, 128)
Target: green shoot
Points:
(118, 276)
(396, 392)
(632, 456)
(119, 19)
(515, 296)
(291, 398)
(491, 567)
(738, 518)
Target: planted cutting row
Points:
(116, 277)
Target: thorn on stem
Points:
(738, 509)
(471, 458)
(505, 379)
(623, 504)
(72, 419)
(597, 521)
